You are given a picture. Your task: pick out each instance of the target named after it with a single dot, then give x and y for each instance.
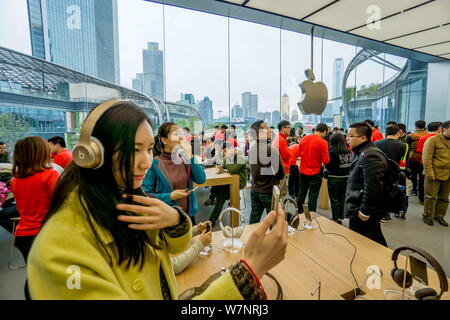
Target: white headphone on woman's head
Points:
(228, 231)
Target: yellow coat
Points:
(66, 262)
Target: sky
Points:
(263, 60)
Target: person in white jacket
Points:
(181, 261)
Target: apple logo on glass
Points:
(315, 95)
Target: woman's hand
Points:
(152, 214)
(206, 238)
(264, 251)
(178, 194)
(202, 226)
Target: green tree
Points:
(13, 127)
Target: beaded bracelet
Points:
(256, 277)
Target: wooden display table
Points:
(312, 257)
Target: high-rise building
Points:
(187, 98)
(206, 110)
(138, 82)
(237, 112)
(250, 104)
(338, 75)
(275, 118)
(153, 62)
(81, 35)
(268, 117)
(285, 107)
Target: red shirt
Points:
(313, 152)
(219, 136)
(63, 158)
(421, 142)
(294, 150)
(33, 195)
(376, 135)
(280, 143)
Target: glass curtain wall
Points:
(227, 70)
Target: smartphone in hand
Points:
(275, 201)
(191, 190)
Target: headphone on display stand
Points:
(89, 151)
(292, 219)
(401, 276)
(228, 231)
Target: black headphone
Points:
(398, 275)
(292, 218)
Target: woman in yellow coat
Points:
(98, 242)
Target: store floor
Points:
(412, 231)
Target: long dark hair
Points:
(163, 132)
(98, 191)
(337, 143)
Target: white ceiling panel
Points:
(446, 56)
(349, 14)
(437, 49)
(423, 38)
(291, 8)
(427, 16)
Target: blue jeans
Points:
(260, 201)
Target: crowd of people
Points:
(120, 220)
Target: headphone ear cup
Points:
(398, 276)
(98, 152)
(239, 231)
(89, 156)
(295, 222)
(426, 294)
(227, 231)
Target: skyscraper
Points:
(153, 62)
(81, 35)
(294, 116)
(237, 112)
(187, 98)
(285, 107)
(275, 117)
(338, 74)
(250, 104)
(206, 110)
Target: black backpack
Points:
(394, 187)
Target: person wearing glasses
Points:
(364, 199)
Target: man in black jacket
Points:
(364, 198)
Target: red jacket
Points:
(280, 143)
(313, 152)
(421, 142)
(33, 195)
(376, 135)
(295, 154)
(63, 158)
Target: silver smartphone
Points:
(275, 201)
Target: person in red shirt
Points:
(376, 134)
(62, 156)
(220, 135)
(313, 152)
(433, 129)
(281, 145)
(294, 173)
(32, 185)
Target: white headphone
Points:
(228, 231)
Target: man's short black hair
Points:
(322, 127)
(2, 143)
(391, 123)
(272, 127)
(216, 127)
(370, 122)
(446, 124)
(224, 126)
(342, 129)
(233, 126)
(187, 129)
(392, 130)
(402, 126)
(420, 124)
(58, 140)
(283, 124)
(434, 126)
(335, 128)
(362, 129)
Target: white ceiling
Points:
(418, 27)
